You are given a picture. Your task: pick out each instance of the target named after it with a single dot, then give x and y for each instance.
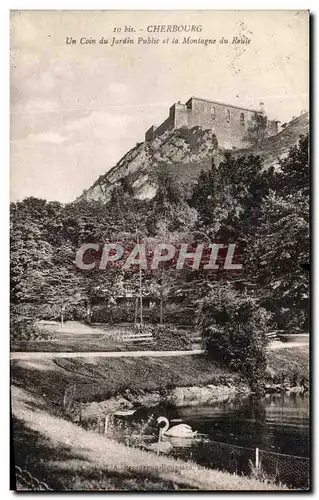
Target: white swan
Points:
(181, 430)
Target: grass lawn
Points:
(78, 337)
(96, 379)
(290, 363)
(82, 344)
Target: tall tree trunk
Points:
(140, 274)
(161, 310)
(88, 312)
(62, 315)
(136, 309)
(141, 298)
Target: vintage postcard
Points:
(160, 250)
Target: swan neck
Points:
(166, 427)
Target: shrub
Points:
(180, 315)
(151, 314)
(234, 327)
(166, 337)
(289, 366)
(49, 312)
(169, 338)
(77, 313)
(120, 313)
(24, 328)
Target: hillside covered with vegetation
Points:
(263, 211)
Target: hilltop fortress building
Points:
(227, 121)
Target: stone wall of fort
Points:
(227, 121)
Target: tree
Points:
(30, 257)
(256, 130)
(169, 210)
(282, 240)
(64, 284)
(224, 197)
(235, 327)
(170, 189)
(293, 175)
(41, 267)
(205, 195)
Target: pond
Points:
(230, 432)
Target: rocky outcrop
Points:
(277, 388)
(192, 396)
(189, 150)
(179, 396)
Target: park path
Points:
(273, 346)
(97, 354)
(134, 354)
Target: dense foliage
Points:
(265, 211)
(235, 328)
(169, 338)
(257, 129)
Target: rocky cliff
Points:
(187, 151)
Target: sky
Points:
(76, 109)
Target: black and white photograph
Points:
(160, 250)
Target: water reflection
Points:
(276, 423)
(229, 432)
